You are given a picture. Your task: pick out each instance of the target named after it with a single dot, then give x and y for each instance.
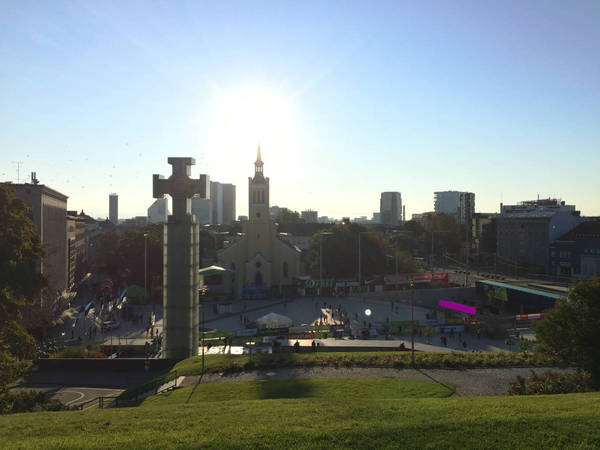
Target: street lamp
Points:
(432, 234)
(146, 267)
(326, 233)
(412, 323)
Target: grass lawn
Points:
(335, 388)
(424, 360)
(558, 421)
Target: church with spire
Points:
(261, 259)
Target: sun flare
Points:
(246, 116)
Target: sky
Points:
(347, 99)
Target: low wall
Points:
(103, 364)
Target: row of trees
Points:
(119, 254)
(340, 253)
(21, 286)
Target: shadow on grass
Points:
(285, 389)
(450, 388)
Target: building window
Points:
(257, 214)
(258, 264)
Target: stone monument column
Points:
(180, 260)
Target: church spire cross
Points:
(180, 186)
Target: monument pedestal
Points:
(180, 288)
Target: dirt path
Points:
(468, 383)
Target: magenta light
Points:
(458, 307)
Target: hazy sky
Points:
(348, 99)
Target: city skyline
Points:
(499, 100)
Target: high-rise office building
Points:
(222, 200)
(113, 208)
(216, 202)
(228, 203)
(310, 216)
(202, 210)
(49, 214)
(459, 204)
(390, 208)
(158, 212)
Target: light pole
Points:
(146, 267)
(326, 233)
(432, 252)
(412, 324)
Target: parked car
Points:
(110, 325)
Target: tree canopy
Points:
(20, 282)
(570, 331)
(340, 253)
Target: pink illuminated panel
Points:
(458, 307)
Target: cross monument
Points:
(181, 259)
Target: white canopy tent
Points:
(273, 320)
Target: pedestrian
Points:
(314, 346)
(465, 345)
(478, 334)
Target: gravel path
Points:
(468, 383)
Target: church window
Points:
(285, 269)
(257, 214)
(258, 264)
(258, 279)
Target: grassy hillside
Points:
(317, 420)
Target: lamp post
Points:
(146, 267)
(432, 252)
(412, 325)
(326, 233)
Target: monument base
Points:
(180, 288)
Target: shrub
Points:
(80, 352)
(551, 383)
(28, 401)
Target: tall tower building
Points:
(228, 203)
(390, 208)
(113, 208)
(158, 211)
(216, 202)
(460, 204)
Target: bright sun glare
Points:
(247, 116)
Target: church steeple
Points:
(258, 165)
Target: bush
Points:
(80, 352)
(28, 401)
(551, 383)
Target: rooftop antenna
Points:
(18, 163)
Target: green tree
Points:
(570, 332)
(120, 254)
(287, 216)
(20, 283)
(340, 253)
